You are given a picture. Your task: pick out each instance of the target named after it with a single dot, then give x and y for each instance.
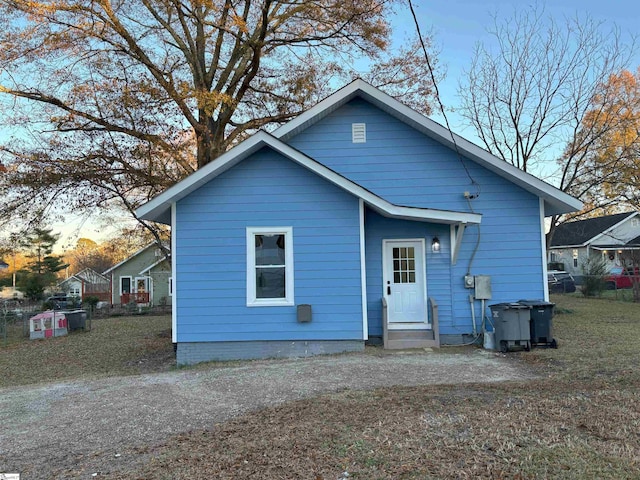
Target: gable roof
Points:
(87, 275)
(159, 209)
(90, 275)
(584, 232)
(155, 264)
(143, 249)
(555, 201)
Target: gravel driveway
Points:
(91, 425)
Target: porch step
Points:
(401, 339)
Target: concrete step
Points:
(400, 339)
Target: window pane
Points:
(411, 253)
(396, 277)
(404, 277)
(270, 250)
(396, 253)
(270, 282)
(396, 264)
(412, 277)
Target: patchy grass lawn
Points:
(581, 420)
(114, 346)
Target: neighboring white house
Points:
(86, 283)
(613, 238)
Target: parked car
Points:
(560, 282)
(61, 301)
(620, 277)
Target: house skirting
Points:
(189, 353)
(459, 339)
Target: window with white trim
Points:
(125, 285)
(269, 266)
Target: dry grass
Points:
(581, 421)
(114, 346)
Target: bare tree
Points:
(528, 96)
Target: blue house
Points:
(359, 220)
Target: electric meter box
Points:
(483, 287)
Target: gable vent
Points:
(359, 132)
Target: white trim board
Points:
(131, 256)
(543, 254)
(174, 273)
(386, 274)
(289, 267)
(363, 273)
(157, 209)
(556, 201)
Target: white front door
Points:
(404, 281)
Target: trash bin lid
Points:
(508, 306)
(536, 303)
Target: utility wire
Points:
(437, 92)
(453, 138)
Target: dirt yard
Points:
(113, 405)
(77, 428)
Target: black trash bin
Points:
(541, 322)
(76, 319)
(511, 326)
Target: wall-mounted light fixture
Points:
(435, 245)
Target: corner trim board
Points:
(543, 251)
(174, 272)
(363, 273)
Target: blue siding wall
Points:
(267, 190)
(438, 273)
(408, 168)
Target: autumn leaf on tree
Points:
(118, 100)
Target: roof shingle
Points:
(580, 232)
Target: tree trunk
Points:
(209, 142)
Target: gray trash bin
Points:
(511, 325)
(541, 322)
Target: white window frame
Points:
(288, 300)
(147, 285)
(131, 285)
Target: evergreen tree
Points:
(43, 266)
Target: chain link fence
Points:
(15, 315)
(607, 287)
(14, 320)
